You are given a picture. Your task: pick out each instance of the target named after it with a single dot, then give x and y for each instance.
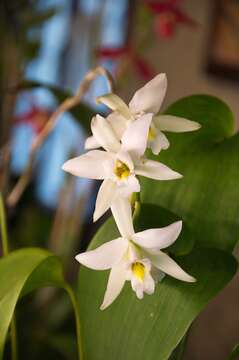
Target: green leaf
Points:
(21, 272)
(150, 328)
(207, 197)
(217, 119)
(235, 353)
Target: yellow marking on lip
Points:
(152, 134)
(121, 170)
(138, 270)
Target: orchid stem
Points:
(66, 105)
(77, 320)
(5, 248)
(135, 203)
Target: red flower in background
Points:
(142, 67)
(168, 15)
(36, 117)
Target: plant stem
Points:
(66, 105)
(4, 237)
(77, 319)
(5, 247)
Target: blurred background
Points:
(47, 47)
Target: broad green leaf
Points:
(151, 328)
(21, 272)
(207, 197)
(235, 353)
(217, 119)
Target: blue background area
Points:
(65, 56)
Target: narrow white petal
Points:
(118, 124)
(115, 285)
(149, 284)
(163, 262)
(135, 137)
(150, 97)
(121, 210)
(129, 186)
(105, 256)
(115, 103)
(156, 170)
(104, 198)
(175, 123)
(91, 143)
(89, 165)
(158, 238)
(104, 135)
(160, 142)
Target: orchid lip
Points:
(152, 134)
(121, 170)
(138, 270)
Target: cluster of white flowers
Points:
(124, 136)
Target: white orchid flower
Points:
(120, 164)
(135, 257)
(146, 100)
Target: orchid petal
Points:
(158, 238)
(118, 124)
(160, 142)
(125, 158)
(115, 285)
(104, 198)
(88, 165)
(104, 135)
(105, 256)
(115, 103)
(164, 263)
(128, 187)
(150, 97)
(156, 170)
(91, 143)
(135, 137)
(175, 124)
(121, 210)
